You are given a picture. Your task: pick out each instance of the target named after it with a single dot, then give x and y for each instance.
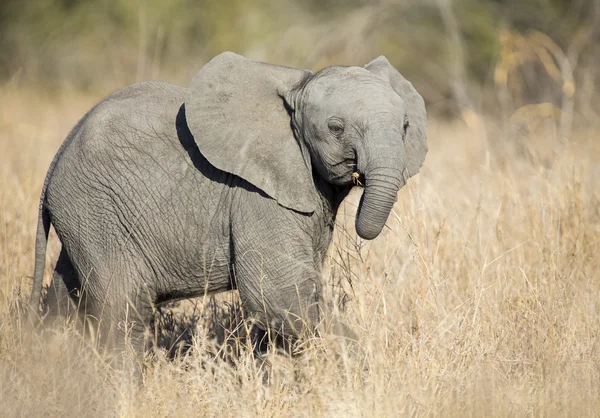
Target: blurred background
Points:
(528, 61)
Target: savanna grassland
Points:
(481, 297)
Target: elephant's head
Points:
(275, 126)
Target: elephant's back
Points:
(127, 114)
(126, 179)
(125, 138)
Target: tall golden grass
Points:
(481, 297)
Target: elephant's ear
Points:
(415, 142)
(236, 111)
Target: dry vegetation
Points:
(481, 298)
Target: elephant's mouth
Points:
(345, 172)
(358, 179)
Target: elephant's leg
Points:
(63, 295)
(275, 268)
(284, 313)
(279, 288)
(127, 325)
(130, 339)
(118, 304)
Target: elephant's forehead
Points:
(353, 93)
(353, 87)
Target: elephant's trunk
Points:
(383, 169)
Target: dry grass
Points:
(481, 298)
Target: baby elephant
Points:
(162, 192)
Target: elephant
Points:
(161, 193)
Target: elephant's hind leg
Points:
(63, 297)
(125, 323)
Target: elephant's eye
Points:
(406, 125)
(336, 126)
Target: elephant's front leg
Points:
(284, 301)
(277, 280)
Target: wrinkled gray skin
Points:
(161, 192)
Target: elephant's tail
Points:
(43, 226)
(41, 236)
(41, 241)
